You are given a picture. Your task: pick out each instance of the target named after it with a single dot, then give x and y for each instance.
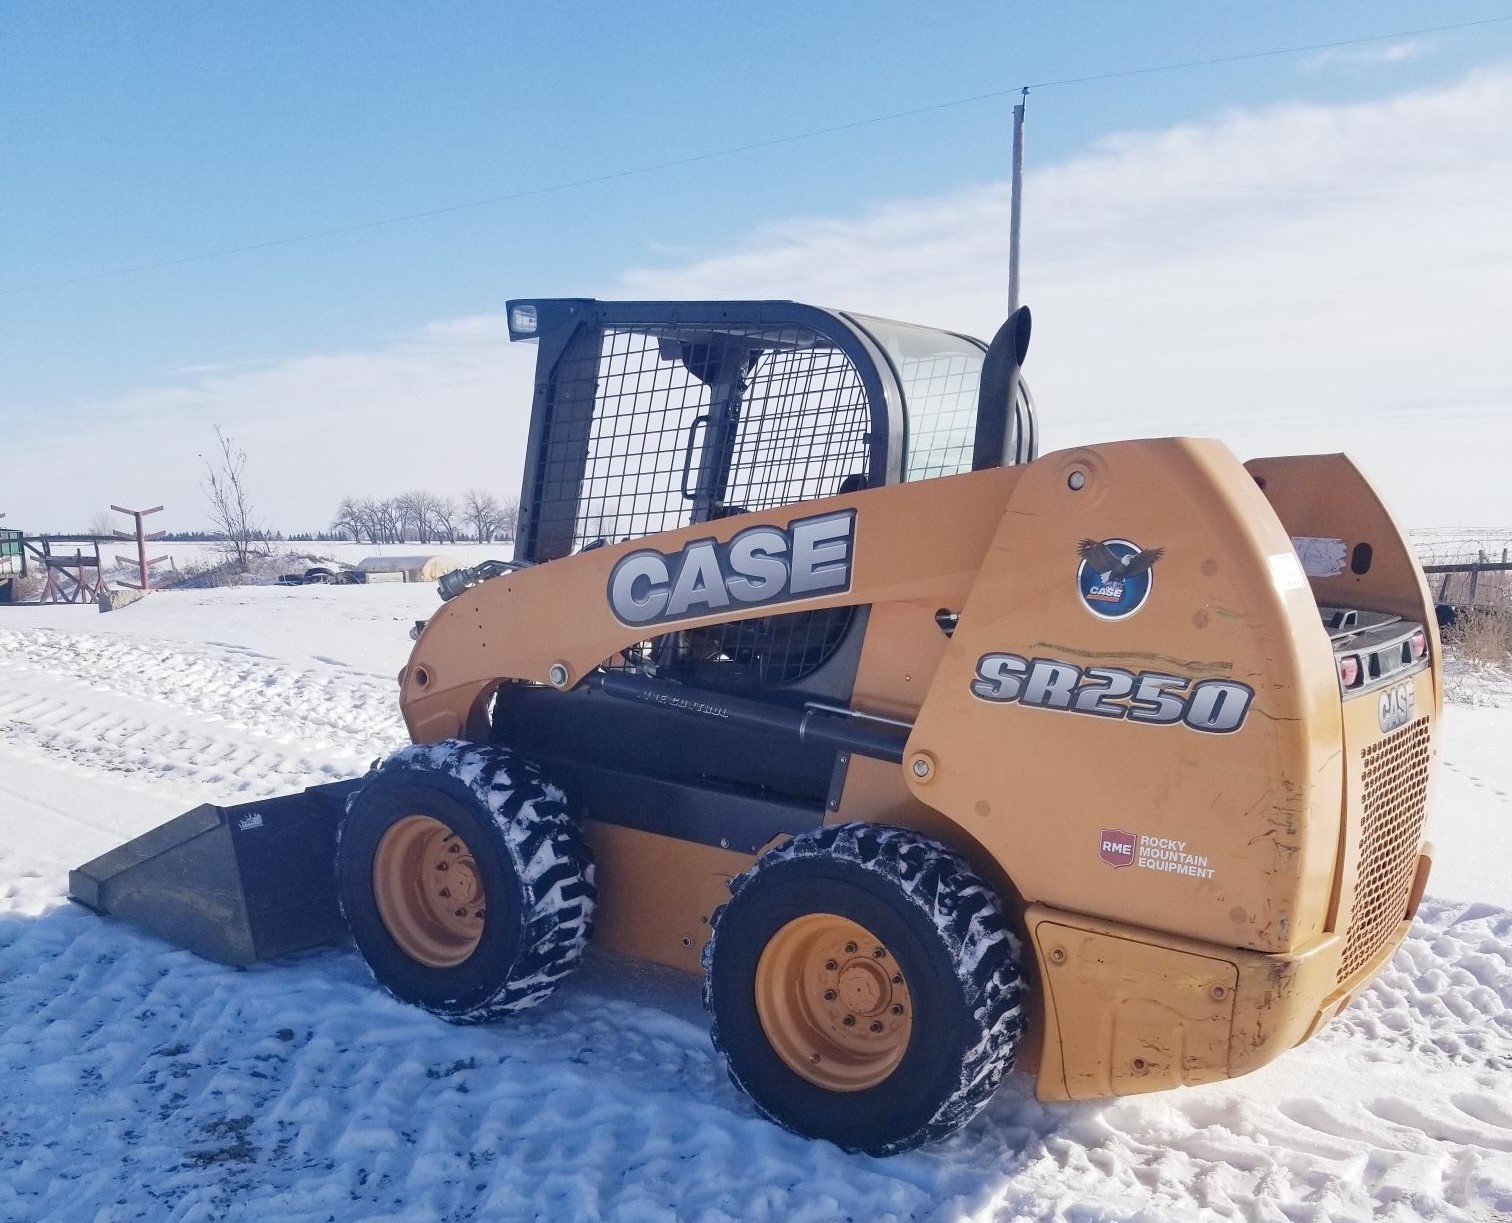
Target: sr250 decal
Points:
(1213, 706)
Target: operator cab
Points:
(650, 416)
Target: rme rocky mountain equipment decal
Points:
(1118, 848)
(1213, 706)
(760, 566)
(1114, 577)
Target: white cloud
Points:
(443, 409)
(1291, 279)
(1300, 278)
(1366, 56)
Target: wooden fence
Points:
(1478, 583)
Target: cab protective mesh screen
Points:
(797, 427)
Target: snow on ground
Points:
(295, 556)
(143, 1083)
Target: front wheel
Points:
(466, 884)
(864, 987)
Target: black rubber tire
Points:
(947, 931)
(532, 857)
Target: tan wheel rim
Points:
(833, 1002)
(429, 892)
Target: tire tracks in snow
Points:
(1398, 1109)
(297, 1090)
(146, 1083)
(212, 715)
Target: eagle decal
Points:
(1112, 568)
(1115, 576)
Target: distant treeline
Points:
(264, 537)
(417, 517)
(219, 537)
(425, 518)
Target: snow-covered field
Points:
(143, 1083)
(287, 556)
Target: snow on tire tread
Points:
(970, 924)
(550, 856)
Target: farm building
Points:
(430, 568)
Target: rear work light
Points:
(1349, 671)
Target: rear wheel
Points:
(833, 1002)
(865, 987)
(466, 885)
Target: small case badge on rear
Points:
(1114, 578)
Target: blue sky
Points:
(135, 133)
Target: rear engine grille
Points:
(1395, 777)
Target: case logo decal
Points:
(761, 565)
(1397, 705)
(1212, 706)
(1114, 578)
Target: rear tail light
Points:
(1349, 671)
(1419, 642)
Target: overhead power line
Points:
(735, 150)
(1271, 54)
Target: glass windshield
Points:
(941, 375)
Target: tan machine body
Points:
(1198, 897)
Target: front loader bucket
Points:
(234, 884)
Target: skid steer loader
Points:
(929, 754)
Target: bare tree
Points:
(446, 514)
(350, 519)
(426, 518)
(405, 512)
(231, 513)
(388, 522)
(482, 513)
(509, 518)
(101, 523)
(371, 518)
(417, 511)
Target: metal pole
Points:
(1017, 207)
